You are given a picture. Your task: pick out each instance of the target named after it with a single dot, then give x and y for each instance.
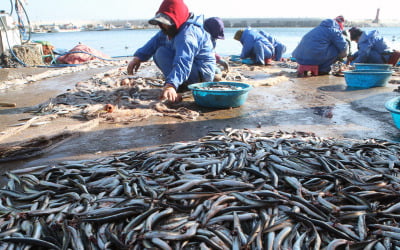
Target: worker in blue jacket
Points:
(182, 49)
(255, 46)
(215, 26)
(322, 46)
(279, 48)
(371, 48)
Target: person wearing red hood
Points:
(322, 46)
(340, 21)
(182, 49)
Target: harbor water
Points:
(125, 42)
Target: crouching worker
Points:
(182, 49)
(322, 46)
(371, 47)
(255, 46)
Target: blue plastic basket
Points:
(372, 66)
(393, 105)
(367, 78)
(214, 98)
(235, 58)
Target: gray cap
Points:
(161, 18)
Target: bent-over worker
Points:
(279, 47)
(255, 46)
(371, 47)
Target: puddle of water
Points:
(341, 88)
(334, 88)
(324, 111)
(260, 76)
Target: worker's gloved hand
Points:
(133, 65)
(169, 93)
(224, 64)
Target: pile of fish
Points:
(232, 189)
(134, 98)
(220, 87)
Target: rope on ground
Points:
(15, 130)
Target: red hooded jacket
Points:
(176, 10)
(340, 21)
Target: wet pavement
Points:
(323, 105)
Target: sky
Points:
(70, 10)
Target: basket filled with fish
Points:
(372, 66)
(220, 94)
(367, 78)
(393, 106)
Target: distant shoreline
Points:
(232, 22)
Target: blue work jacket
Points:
(248, 40)
(320, 44)
(193, 48)
(271, 39)
(371, 48)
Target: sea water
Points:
(125, 42)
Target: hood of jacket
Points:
(330, 23)
(215, 26)
(176, 10)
